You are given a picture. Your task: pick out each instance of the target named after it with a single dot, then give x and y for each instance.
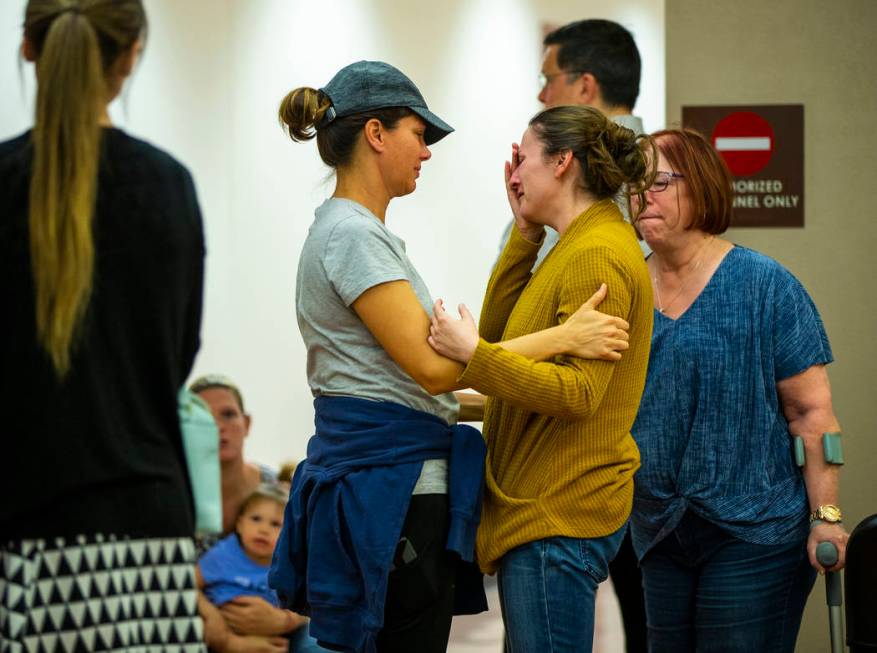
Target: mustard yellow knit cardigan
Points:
(560, 456)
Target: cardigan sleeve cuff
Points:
(522, 246)
(478, 369)
(518, 249)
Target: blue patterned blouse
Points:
(711, 431)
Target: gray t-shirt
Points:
(349, 250)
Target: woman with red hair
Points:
(737, 369)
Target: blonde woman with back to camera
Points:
(101, 260)
(379, 532)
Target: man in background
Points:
(591, 62)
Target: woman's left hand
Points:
(450, 337)
(594, 335)
(826, 532)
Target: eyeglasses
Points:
(663, 179)
(544, 79)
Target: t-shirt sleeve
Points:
(799, 338)
(359, 256)
(216, 560)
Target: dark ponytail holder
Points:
(328, 117)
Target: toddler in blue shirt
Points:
(238, 564)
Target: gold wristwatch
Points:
(830, 514)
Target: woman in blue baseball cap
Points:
(379, 530)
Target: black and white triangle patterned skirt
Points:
(99, 593)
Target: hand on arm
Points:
(806, 401)
(252, 615)
(586, 334)
(567, 387)
(394, 316)
(593, 335)
(450, 337)
(219, 637)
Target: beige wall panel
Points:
(821, 55)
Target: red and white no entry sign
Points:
(745, 140)
(763, 146)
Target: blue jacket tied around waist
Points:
(347, 506)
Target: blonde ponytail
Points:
(74, 50)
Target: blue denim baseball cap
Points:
(369, 85)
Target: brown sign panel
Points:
(763, 146)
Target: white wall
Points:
(208, 89)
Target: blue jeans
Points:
(300, 641)
(708, 591)
(547, 590)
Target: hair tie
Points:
(328, 117)
(76, 9)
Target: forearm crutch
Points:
(826, 554)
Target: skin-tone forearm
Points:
(538, 346)
(587, 334)
(541, 345)
(394, 316)
(806, 401)
(216, 632)
(252, 615)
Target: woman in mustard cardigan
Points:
(561, 459)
